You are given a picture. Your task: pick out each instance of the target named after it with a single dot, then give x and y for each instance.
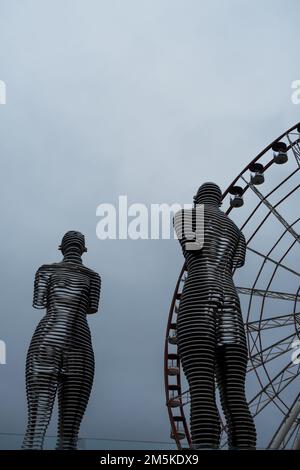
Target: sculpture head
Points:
(209, 193)
(73, 241)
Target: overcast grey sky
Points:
(146, 98)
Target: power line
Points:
(97, 439)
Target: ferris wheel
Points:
(264, 201)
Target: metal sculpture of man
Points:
(60, 358)
(210, 330)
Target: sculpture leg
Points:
(41, 386)
(231, 373)
(74, 389)
(197, 344)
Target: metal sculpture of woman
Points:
(210, 331)
(60, 356)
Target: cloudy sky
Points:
(144, 98)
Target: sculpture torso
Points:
(209, 279)
(68, 291)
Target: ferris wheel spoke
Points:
(271, 352)
(295, 148)
(268, 195)
(274, 322)
(294, 435)
(291, 437)
(259, 356)
(266, 257)
(270, 392)
(279, 261)
(275, 212)
(268, 293)
(288, 428)
(254, 343)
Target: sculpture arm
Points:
(40, 292)
(95, 288)
(240, 253)
(189, 228)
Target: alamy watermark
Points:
(2, 92)
(296, 353)
(139, 221)
(295, 97)
(2, 352)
